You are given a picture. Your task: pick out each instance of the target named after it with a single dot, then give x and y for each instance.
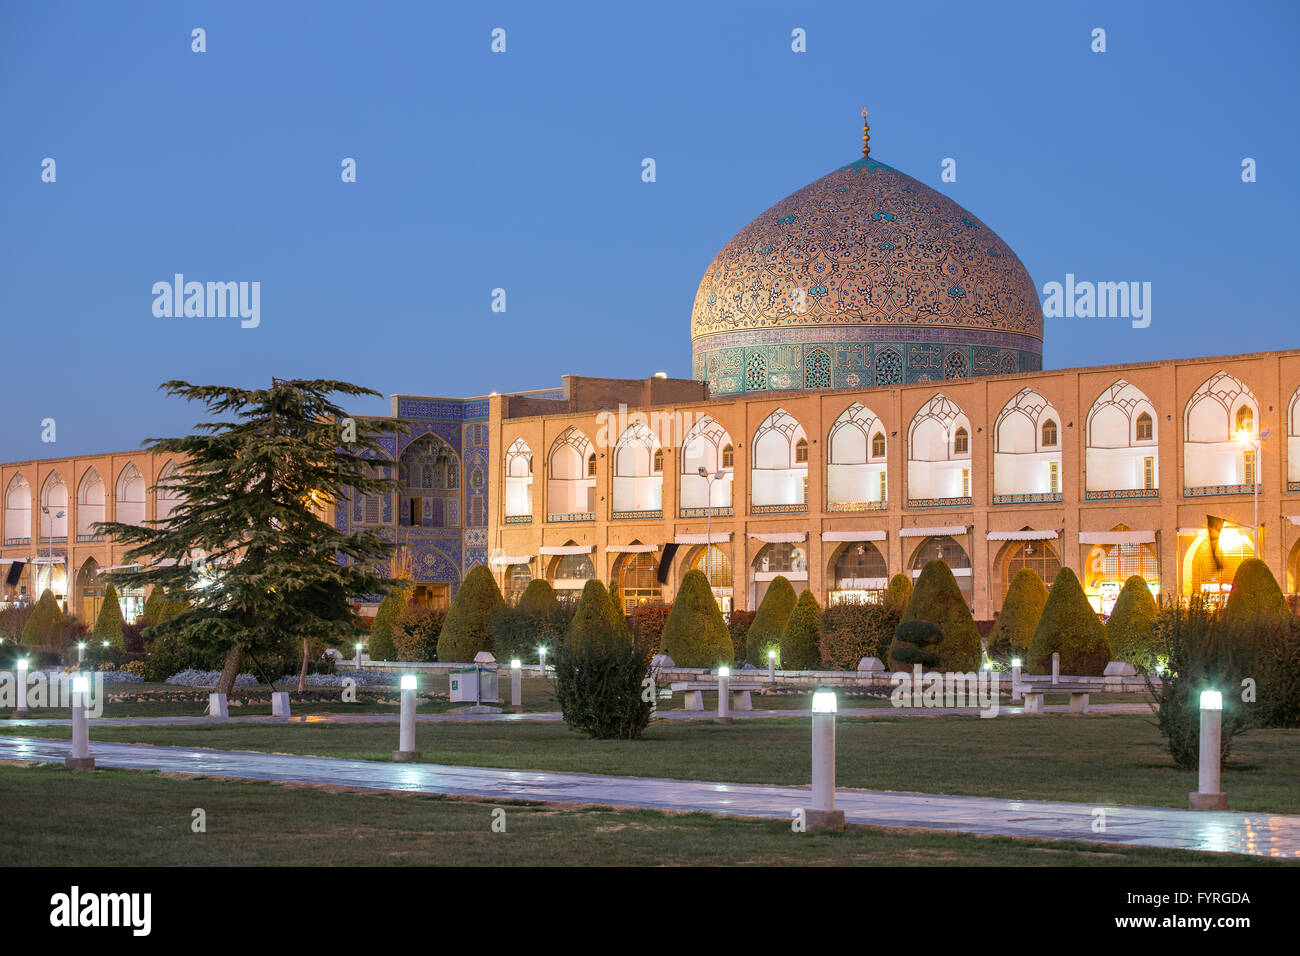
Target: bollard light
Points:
(823, 813)
(541, 657)
(1208, 795)
(1015, 679)
(1015, 662)
(515, 663)
(771, 665)
(516, 685)
(406, 751)
(359, 646)
(988, 665)
(79, 756)
(106, 643)
(724, 695)
(81, 652)
(20, 710)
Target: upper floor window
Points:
(1049, 434)
(801, 450)
(1144, 429)
(878, 445)
(961, 443)
(659, 460)
(591, 465)
(728, 457)
(1245, 419)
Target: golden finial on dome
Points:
(866, 137)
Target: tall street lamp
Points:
(708, 524)
(1245, 436)
(50, 537)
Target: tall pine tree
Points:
(247, 547)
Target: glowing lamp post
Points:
(406, 743)
(1208, 795)
(517, 685)
(823, 813)
(541, 657)
(771, 665)
(359, 646)
(1246, 438)
(79, 758)
(724, 695)
(81, 652)
(20, 708)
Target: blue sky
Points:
(522, 171)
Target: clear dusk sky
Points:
(522, 171)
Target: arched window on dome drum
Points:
(1039, 556)
(1049, 434)
(861, 576)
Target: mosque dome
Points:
(864, 277)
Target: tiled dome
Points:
(863, 277)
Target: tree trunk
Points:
(302, 674)
(230, 670)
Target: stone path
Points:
(548, 717)
(1260, 834)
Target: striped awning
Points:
(779, 537)
(718, 537)
(1022, 535)
(506, 560)
(1117, 537)
(565, 549)
(853, 535)
(934, 532)
(631, 548)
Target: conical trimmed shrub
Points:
(765, 630)
(539, 596)
(1255, 596)
(380, 642)
(1070, 627)
(44, 621)
(695, 634)
(1015, 624)
(898, 594)
(1129, 629)
(595, 628)
(938, 599)
(108, 625)
(465, 629)
(800, 640)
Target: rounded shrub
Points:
(1130, 629)
(465, 629)
(800, 640)
(695, 634)
(539, 597)
(1255, 596)
(380, 642)
(938, 600)
(1015, 624)
(916, 642)
(415, 635)
(765, 630)
(108, 625)
(45, 621)
(1070, 627)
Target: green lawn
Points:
(1094, 759)
(116, 818)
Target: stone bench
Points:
(1079, 695)
(694, 691)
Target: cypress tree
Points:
(898, 594)
(465, 629)
(765, 630)
(595, 628)
(938, 599)
(1015, 624)
(380, 644)
(695, 634)
(1070, 627)
(45, 619)
(108, 625)
(915, 642)
(539, 596)
(800, 639)
(256, 484)
(1255, 596)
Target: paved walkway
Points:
(548, 717)
(1258, 834)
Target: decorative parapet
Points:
(940, 502)
(857, 506)
(575, 516)
(9, 541)
(1116, 494)
(718, 511)
(519, 519)
(635, 515)
(1025, 499)
(1202, 491)
(85, 538)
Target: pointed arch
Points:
(1220, 424)
(1026, 450)
(856, 461)
(1121, 455)
(938, 455)
(91, 501)
(778, 479)
(519, 481)
(18, 511)
(130, 495)
(638, 488)
(428, 472)
(167, 491)
(707, 445)
(1293, 443)
(54, 506)
(570, 488)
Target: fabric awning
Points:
(506, 560)
(631, 548)
(933, 532)
(779, 537)
(718, 537)
(46, 559)
(1117, 537)
(565, 549)
(853, 536)
(1022, 535)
